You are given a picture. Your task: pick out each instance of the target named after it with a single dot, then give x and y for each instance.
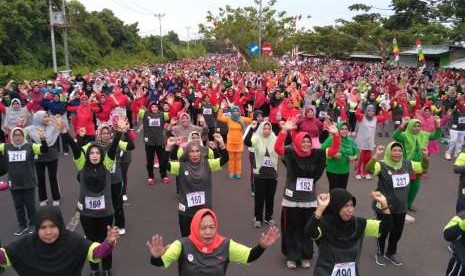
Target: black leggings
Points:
(265, 190)
(117, 199)
(337, 180)
(124, 172)
(398, 221)
(24, 200)
(150, 154)
(294, 245)
(52, 168)
(352, 121)
(95, 230)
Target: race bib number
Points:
(95, 203)
(304, 184)
(323, 114)
(17, 156)
(154, 122)
(267, 162)
(207, 111)
(195, 199)
(344, 269)
(461, 120)
(400, 180)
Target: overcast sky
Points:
(180, 14)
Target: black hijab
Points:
(339, 232)
(30, 256)
(95, 174)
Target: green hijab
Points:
(348, 145)
(388, 153)
(414, 142)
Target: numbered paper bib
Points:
(344, 269)
(207, 111)
(267, 162)
(95, 203)
(323, 114)
(304, 184)
(195, 199)
(461, 120)
(400, 180)
(17, 156)
(154, 122)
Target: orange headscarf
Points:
(194, 237)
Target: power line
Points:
(126, 6)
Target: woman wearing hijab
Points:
(265, 170)
(184, 127)
(338, 166)
(21, 176)
(311, 125)
(304, 166)
(54, 250)
(205, 252)
(339, 234)
(413, 140)
(94, 175)
(194, 178)
(84, 117)
(236, 127)
(393, 173)
(15, 116)
(49, 160)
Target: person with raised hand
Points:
(205, 252)
(304, 165)
(194, 178)
(393, 173)
(339, 233)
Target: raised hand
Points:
(156, 246)
(41, 133)
(289, 125)
(219, 140)
(112, 235)
(333, 129)
(82, 131)
(270, 236)
(379, 197)
(379, 151)
(122, 124)
(323, 200)
(254, 124)
(170, 143)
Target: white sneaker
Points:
(358, 177)
(56, 203)
(122, 231)
(409, 218)
(43, 203)
(447, 156)
(125, 198)
(368, 177)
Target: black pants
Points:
(352, 121)
(337, 180)
(398, 221)
(265, 190)
(150, 154)
(24, 200)
(185, 224)
(294, 245)
(52, 168)
(455, 268)
(95, 230)
(62, 144)
(118, 206)
(252, 166)
(124, 172)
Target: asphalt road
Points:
(152, 210)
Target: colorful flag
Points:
(395, 50)
(421, 56)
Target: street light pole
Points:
(260, 27)
(160, 16)
(52, 37)
(188, 38)
(65, 36)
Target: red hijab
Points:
(194, 237)
(297, 144)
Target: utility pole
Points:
(260, 27)
(160, 16)
(52, 37)
(188, 38)
(65, 36)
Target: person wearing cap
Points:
(339, 233)
(393, 173)
(52, 249)
(21, 174)
(205, 252)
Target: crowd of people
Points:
(194, 117)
